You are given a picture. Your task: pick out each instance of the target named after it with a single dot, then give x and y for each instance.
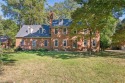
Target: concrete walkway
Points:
(119, 51)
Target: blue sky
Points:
(50, 2)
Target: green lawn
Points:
(63, 67)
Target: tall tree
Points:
(107, 33)
(94, 14)
(1, 27)
(10, 29)
(63, 9)
(24, 11)
(119, 36)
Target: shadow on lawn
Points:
(71, 55)
(5, 58)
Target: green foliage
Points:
(107, 32)
(18, 49)
(1, 27)
(42, 49)
(63, 9)
(10, 29)
(119, 36)
(95, 14)
(24, 11)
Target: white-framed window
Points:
(22, 42)
(56, 31)
(64, 30)
(34, 43)
(85, 43)
(74, 43)
(56, 43)
(94, 42)
(40, 30)
(45, 42)
(64, 42)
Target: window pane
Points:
(56, 42)
(94, 42)
(64, 42)
(85, 42)
(75, 44)
(45, 43)
(34, 43)
(56, 31)
(64, 31)
(22, 42)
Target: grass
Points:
(63, 67)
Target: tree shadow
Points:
(72, 55)
(111, 54)
(6, 60)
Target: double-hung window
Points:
(45, 42)
(56, 43)
(64, 42)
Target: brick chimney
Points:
(51, 18)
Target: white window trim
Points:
(33, 43)
(55, 30)
(84, 43)
(95, 43)
(57, 44)
(64, 32)
(44, 43)
(76, 45)
(23, 42)
(63, 42)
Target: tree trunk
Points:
(90, 48)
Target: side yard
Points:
(63, 67)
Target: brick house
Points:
(55, 36)
(5, 41)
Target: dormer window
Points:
(61, 22)
(30, 30)
(40, 30)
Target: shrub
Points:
(42, 49)
(18, 49)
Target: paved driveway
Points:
(120, 51)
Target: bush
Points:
(18, 49)
(43, 49)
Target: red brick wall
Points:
(80, 45)
(60, 36)
(28, 43)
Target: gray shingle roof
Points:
(33, 31)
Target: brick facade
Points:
(60, 37)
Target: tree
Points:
(1, 27)
(119, 36)
(63, 9)
(107, 32)
(10, 29)
(24, 11)
(94, 14)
